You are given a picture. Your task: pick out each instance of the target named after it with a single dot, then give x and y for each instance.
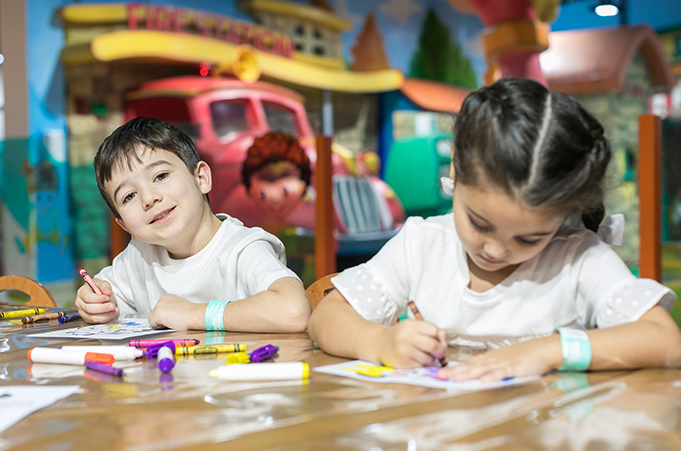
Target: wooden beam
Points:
(325, 255)
(650, 196)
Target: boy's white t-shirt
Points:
(576, 281)
(237, 262)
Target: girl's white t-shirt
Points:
(238, 262)
(576, 281)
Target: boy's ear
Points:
(204, 177)
(122, 224)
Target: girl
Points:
(506, 272)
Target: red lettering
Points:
(201, 25)
(162, 19)
(245, 34)
(232, 33)
(219, 27)
(150, 17)
(181, 21)
(133, 18)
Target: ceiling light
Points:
(606, 9)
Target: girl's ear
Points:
(452, 175)
(204, 177)
(122, 224)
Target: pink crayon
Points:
(177, 342)
(89, 281)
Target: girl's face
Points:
(497, 231)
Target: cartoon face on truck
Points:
(272, 184)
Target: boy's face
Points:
(159, 200)
(498, 232)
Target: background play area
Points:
(256, 82)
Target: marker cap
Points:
(166, 359)
(107, 359)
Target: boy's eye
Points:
(128, 197)
(161, 176)
(477, 226)
(526, 242)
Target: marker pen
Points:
(67, 318)
(24, 312)
(104, 368)
(89, 281)
(210, 349)
(52, 355)
(177, 342)
(166, 359)
(119, 352)
(262, 371)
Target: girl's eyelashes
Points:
(477, 226)
(526, 242)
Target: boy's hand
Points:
(529, 358)
(411, 344)
(96, 308)
(176, 313)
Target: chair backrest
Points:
(319, 289)
(39, 296)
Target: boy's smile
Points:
(498, 232)
(160, 202)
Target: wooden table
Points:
(188, 409)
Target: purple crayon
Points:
(104, 368)
(263, 353)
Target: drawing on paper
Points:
(112, 331)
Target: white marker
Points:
(119, 352)
(52, 355)
(262, 371)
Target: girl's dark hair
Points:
(542, 148)
(127, 142)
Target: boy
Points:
(182, 255)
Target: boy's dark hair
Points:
(542, 148)
(125, 143)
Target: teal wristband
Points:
(214, 315)
(576, 349)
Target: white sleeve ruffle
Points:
(366, 294)
(630, 301)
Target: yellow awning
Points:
(133, 44)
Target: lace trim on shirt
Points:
(364, 291)
(629, 302)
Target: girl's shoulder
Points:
(432, 224)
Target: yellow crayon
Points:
(18, 313)
(237, 358)
(210, 349)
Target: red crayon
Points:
(89, 281)
(177, 342)
(417, 315)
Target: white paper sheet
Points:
(19, 401)
(415, 376)
(118, 330)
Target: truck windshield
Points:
(280, 119)
(229, 116)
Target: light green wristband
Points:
(213, 318)
(576, 348)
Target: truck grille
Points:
(358, 205)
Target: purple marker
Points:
(263, 353)
(152, 350)
(166, 358)
(104, 368)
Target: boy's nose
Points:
(150, 198)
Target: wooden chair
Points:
(319, 289)
(39, 296)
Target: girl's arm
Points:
(339, 330)
(652, 341)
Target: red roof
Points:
(597, 60)
(434, 96)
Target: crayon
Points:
(89, 281)
(67, 318)
(119, 352)
(210, 349)
(52, 355)
(177, 342)
(417, 315)
(104, 368)
(166, 359)
(46, 316)
(262, 371)
(18, 313)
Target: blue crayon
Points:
(67, 318)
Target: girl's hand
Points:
(96, 308)
(411, 344)
(529, 358)
(173, 312)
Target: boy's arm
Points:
(338, 329)
(652, 341)
(282, 308)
